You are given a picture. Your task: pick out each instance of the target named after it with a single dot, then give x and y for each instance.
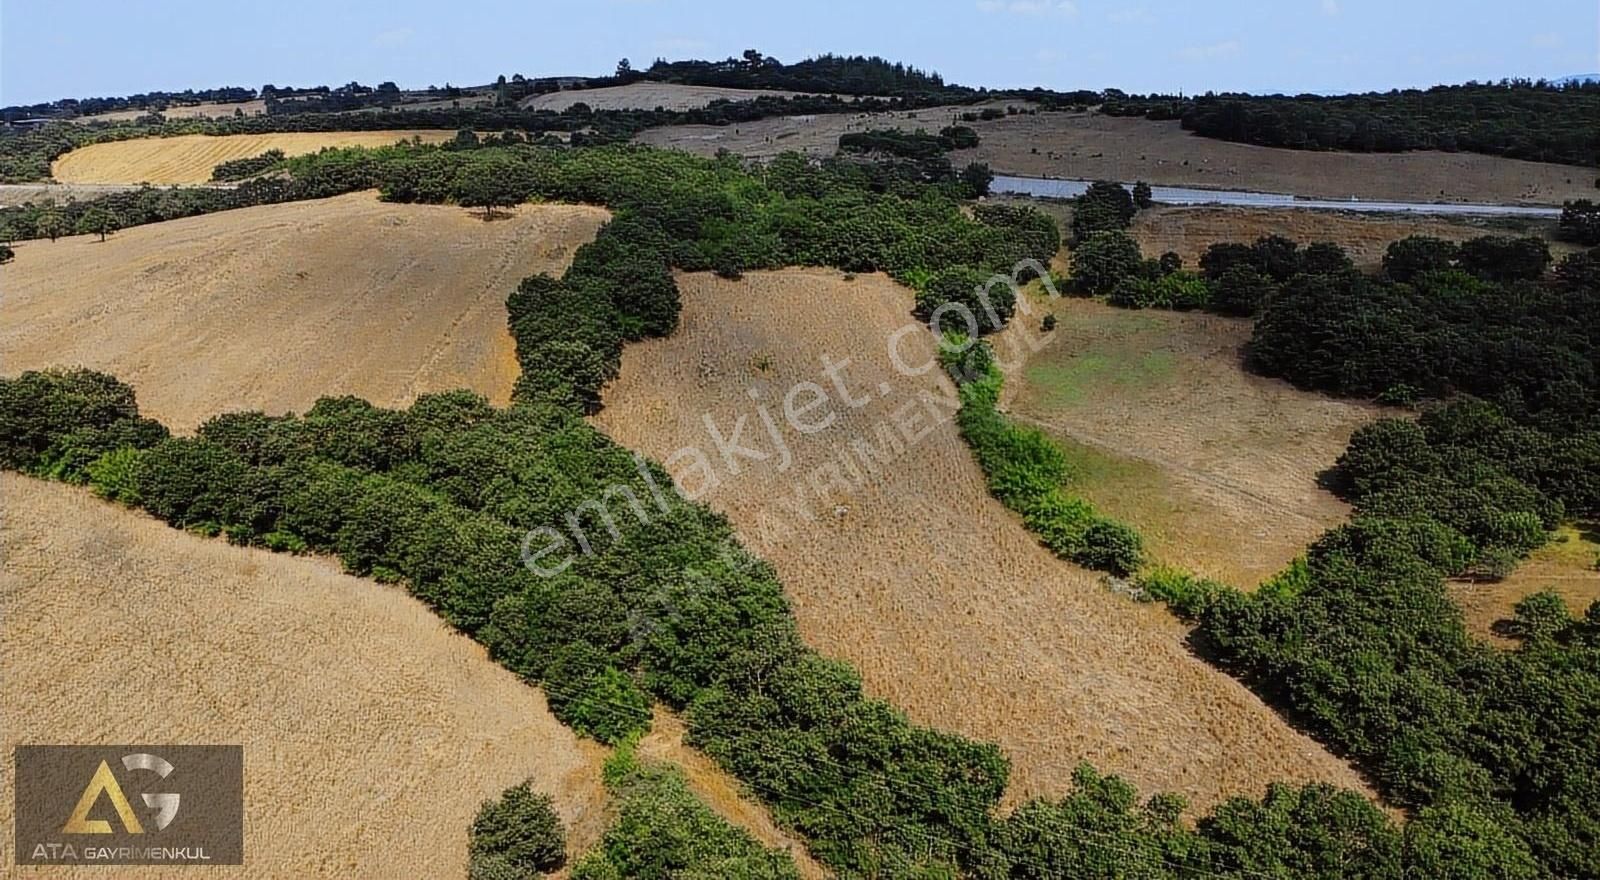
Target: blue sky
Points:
(66, 48)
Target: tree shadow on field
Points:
(490, 216)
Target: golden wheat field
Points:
(371, 731)
(909, 569)
(189, 158)
(275, 306)
(1215, 467)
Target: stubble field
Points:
(371, 731)
(189, 158)
(1093, 146)
(914, 573)
(275, 306)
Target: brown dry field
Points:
(1215, 467)
(647, 96)
(1092, 146)
(189, 158)
(948, 606)
(186, 111)
(371, 731)
(275, 306)
(1190, 230)
(813, 134)
(1566, 565)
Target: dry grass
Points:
(1215, 467)
(813, 134)
(647, 96)
(186, 111)
(1190, 230)
(948, 606)
(189, 158)
(272, 307)
(371, 731)
(1566, 566)
(1089, 145)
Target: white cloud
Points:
(1064, 8)
(1212, 52)
(1331, 7)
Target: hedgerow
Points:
(1027, 472)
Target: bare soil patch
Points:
(189, 158)
(1215, 467)
(273, 307)
(371, 731)
(913, 573)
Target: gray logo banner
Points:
(129, 805)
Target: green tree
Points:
(98, 221)
(52, 224)
(1103, 260)
(522, 829)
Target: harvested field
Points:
(189, 158)
(1189, 231)
(1567, 566)
(814, 134)
(275, 306)
(1092, 146)
(210, 110)
(647, 95)
(371, 731)
(1089, 145)
(1215, 467)
(912, 572)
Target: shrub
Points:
(1498, 258)
(38, 408)
(1111, 546)
(1102, 261)
(521, 830)
(115, 476)
(1411, 256)
(962, 292)
(1242, 291)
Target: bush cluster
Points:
(239, 169)
(1028, 473)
